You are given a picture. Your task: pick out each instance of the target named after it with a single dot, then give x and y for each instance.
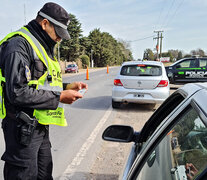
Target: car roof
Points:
(143, 62)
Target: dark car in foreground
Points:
(192, 69)
(172, 144)
(71, 68)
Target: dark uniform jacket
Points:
(19, 66)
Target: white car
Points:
(140, 82)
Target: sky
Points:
(183, 22)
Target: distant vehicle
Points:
(181, 119)
(71, 68)
(140, 82)
(186, 70)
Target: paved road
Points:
(86, 117)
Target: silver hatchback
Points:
(140, 82)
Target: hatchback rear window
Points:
(141, 70)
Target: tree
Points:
(85, 45)
(70, 49)
(193, 52)
(187, 55)
(168, 54)
(125, 49)
(85, 60)
(201, 52)
(174, 53)
(96, 45)
(106, 49)
(180, 55)
(148, 54)
(198, 52)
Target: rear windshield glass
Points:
(71, 65)
(141, 70)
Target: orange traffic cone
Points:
(107, 69)
(87, 74)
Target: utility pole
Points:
(161, 45)
(158, 38)
(92, 58)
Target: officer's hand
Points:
(76, 86)
(191, 171)
(69, 96)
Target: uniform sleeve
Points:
(65, 85)
(18, 59)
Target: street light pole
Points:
(92, 58)
(161, 45)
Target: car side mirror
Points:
(120, 133)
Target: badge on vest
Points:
(27, 73)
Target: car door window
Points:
(187, 64)
(202, 62)
(181, 154)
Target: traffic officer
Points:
(32, 94)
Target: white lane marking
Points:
(85, 147)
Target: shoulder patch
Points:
(27, 73)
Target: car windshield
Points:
(141, 70)
(71, 65)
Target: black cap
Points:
(58, 16)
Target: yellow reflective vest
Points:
(51, 80)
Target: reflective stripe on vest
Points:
(2, 106)
(45, 117)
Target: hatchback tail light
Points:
(163, 83)
(117, 82)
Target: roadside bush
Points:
(79, 63)
(85, 60)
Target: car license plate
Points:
(138, 95)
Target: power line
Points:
(158, 21)
(173, 15)
(141, 39)
(166, 17)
